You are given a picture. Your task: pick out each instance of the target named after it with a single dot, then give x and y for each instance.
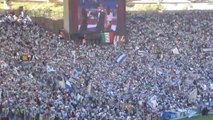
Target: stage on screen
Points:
(99, 16)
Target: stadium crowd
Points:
(165, 68)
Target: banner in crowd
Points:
(169, 115)
(180, 115)
(191, 113)
(121, 58)
(25, 114)
(119, 38)
(26, 57)
(207, 49)
(103, 38)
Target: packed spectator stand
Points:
(165, 66)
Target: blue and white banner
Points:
(169, 115)
(121, 58)
(76, 72)
(191, 113)
(50, 69)
(68, 86)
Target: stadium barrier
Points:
(180, 115)
(185, 113)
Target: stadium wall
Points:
(49, 24)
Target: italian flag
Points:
(107, 37)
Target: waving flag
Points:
(61, 84)
(3, 64)
(107, 37)
(211, 86)
(121, 58)
(50, 69)
(29, 19)
(126, 88)
(89, 87)
(68, 86)
(191, 113)
(76, 72)
(110, 92)
(193, 94)
(207, 49)
(153, 102)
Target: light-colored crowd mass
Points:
(168, 66)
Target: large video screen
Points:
(99, 16)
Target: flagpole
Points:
(74, 55)
(115, 43)
(74, 59)
(155, 73)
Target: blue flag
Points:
(121, 58)
(68, 86)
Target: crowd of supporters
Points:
(167, 65)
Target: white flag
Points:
(153, 102)
(126, 89)
(211, 86)
(175, 51)
(89, 88)
(50, 69)
(193, 94)
(62, 84)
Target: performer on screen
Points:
(101, 19)
(84, 19)
(109, 17)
